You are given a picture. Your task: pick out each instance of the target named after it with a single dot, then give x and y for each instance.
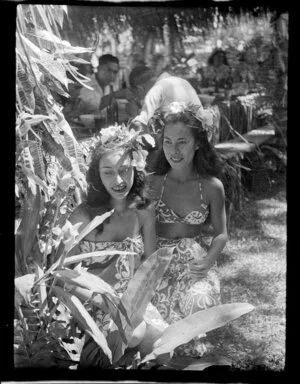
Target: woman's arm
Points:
(218, 220)
(215, 191)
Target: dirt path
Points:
(253, 269)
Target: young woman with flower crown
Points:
(116, 181)
(188, 194)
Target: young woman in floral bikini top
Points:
(187, 191)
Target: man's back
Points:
(176, 89)
(166, 90)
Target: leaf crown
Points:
(121, 137)
(180, 110)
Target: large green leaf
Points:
(78, 258)
(56, 69)
(198, 323)
(101, 301)
(155, 326)
(141, 287)
(85, 279)
(27, 230)
(97, 220)
(186, 363)
(33, 51)
(84, 319)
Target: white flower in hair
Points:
(176, 107)
(139, 160)
(206, 117)
(108, 133)
(119, 136)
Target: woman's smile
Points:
(120, 188)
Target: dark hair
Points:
(139, 75)
(206, 161)
(97, 195)
(105, 59)
(210, 60)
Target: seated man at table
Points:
(158, 92)
(104, 87)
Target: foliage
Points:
(53, 301)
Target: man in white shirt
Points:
(104, 87)
(158, 92)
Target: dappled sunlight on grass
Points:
(252, 269)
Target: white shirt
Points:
(166, 90)
(90, 99)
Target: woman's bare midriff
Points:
(177, 230)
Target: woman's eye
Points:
(166, 142)
(108, 173)
(124, 170)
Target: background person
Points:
(104, 89)
(218, 71)
(157, 92)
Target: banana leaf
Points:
(84, 319)
(103, 303)
(78, 258)
(87, 280)
(143, 284)
(186, 363)
(88, 228)
(198, 323)
(95, 284)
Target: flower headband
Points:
(204, 116)
(119, 136)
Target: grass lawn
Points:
(253, 269)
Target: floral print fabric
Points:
(179, 294)
(116, 269)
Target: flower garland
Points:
(204, 116)
(120, 136)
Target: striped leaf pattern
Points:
(38, 161)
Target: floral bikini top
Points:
(129, 244)
(164, 214)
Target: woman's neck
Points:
(182, 175)
(119, 205)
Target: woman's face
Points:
(179, 145)
(117, 173)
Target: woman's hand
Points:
(199, 269)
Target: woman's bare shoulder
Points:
(213, 182)
(147, 213)
(212, 186)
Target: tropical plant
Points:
(48, 302)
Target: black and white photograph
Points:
(150, 208)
